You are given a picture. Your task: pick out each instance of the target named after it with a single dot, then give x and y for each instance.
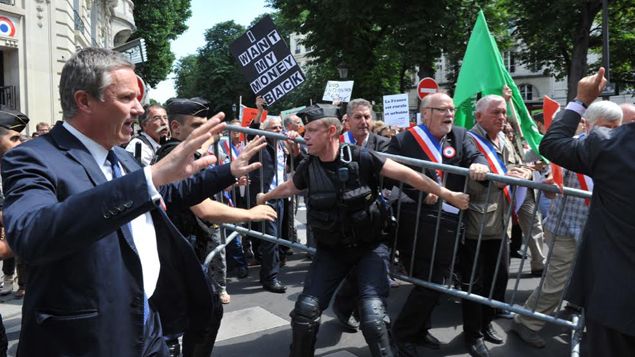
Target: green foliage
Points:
(186, 75)
(159, 22)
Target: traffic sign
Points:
(427, 86)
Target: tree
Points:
(558, 35)
(220, 79)
(159, 22)
(186, 74)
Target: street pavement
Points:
(257, 323)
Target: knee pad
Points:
(372, 317)
(306, 311)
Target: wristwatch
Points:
(576, 100)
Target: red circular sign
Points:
(427, 86)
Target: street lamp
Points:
(342, 70)
(234, 110)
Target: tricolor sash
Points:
(430, 145)
(348, 138)
(230, 150)
(496, 165)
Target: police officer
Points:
(11, 124)
(347, 220)
(185, 115)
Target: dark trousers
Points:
(4, 342)
(413, 321)
(234, 254)
(330, 266)
(477, 316)
(8, 266)
(270, 266)
(605, 341)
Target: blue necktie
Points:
(116, 173)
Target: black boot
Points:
(305, 323)
(373, 323)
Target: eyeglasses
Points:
(443, 110)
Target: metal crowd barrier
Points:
(575, 324)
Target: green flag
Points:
(483, 71)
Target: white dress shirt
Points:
(147, 152)
(142, 227)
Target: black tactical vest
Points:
(344, 206)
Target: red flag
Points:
(549, 109)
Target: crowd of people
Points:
(113, 229)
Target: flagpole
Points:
(518, 134)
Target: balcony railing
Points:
(8, 97)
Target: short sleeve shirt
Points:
(374, 162)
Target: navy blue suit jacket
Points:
(63, 218)
(606, 256)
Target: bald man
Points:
(628, 113)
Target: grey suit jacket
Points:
(606, 260)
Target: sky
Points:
(205, 14)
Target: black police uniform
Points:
(11, 120)
(198, 234)
(347, 220)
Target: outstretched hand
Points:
(179, 163)
(590, 87)
(262, 212)
(240, 166)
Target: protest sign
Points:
(249, 114)
(285, 113)
(338, 90)
(266, 61)
(396, 111)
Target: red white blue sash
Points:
(227, 146)
(430, 145)
(496, 165)
(348, 138)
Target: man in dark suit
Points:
(436, 140)
(605, 263)
(105, 259)
(361, 117)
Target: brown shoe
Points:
(20, 293)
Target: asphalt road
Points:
(256, 322)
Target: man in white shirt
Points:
(154, 125)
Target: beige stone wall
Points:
(48, 32)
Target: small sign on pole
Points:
(338, 90)
(396, 111)
(427, 86)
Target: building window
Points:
(298, 49)
(528, 91)
(510, 61)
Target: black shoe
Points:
(490, 335)
(406, 349)
(242, 272)
(174, 347)
(430, 341)
(275, 286)
(477, 348)
(537, 273)
(349, 324)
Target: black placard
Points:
(266, 61)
